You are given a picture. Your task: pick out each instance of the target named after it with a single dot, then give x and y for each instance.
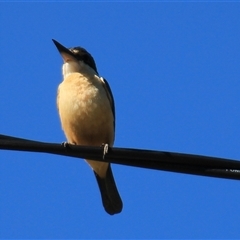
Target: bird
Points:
(87, 113)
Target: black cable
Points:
(166, 161)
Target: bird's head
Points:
(76, 59)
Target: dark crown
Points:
(82, 54)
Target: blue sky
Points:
(174, 72)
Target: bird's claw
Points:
(105, 149)
(65, 144)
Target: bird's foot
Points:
(67, 144)
(105, 149)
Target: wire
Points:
(158, 160)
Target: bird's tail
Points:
(110, 197)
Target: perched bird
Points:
(86, 109)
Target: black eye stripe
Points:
(83, 55)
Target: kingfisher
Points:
(87, 113)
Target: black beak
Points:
(66, 54)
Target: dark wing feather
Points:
(110, 97)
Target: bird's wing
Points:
(110, 97)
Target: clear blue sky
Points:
(174, 72)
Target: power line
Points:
(158, 160)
